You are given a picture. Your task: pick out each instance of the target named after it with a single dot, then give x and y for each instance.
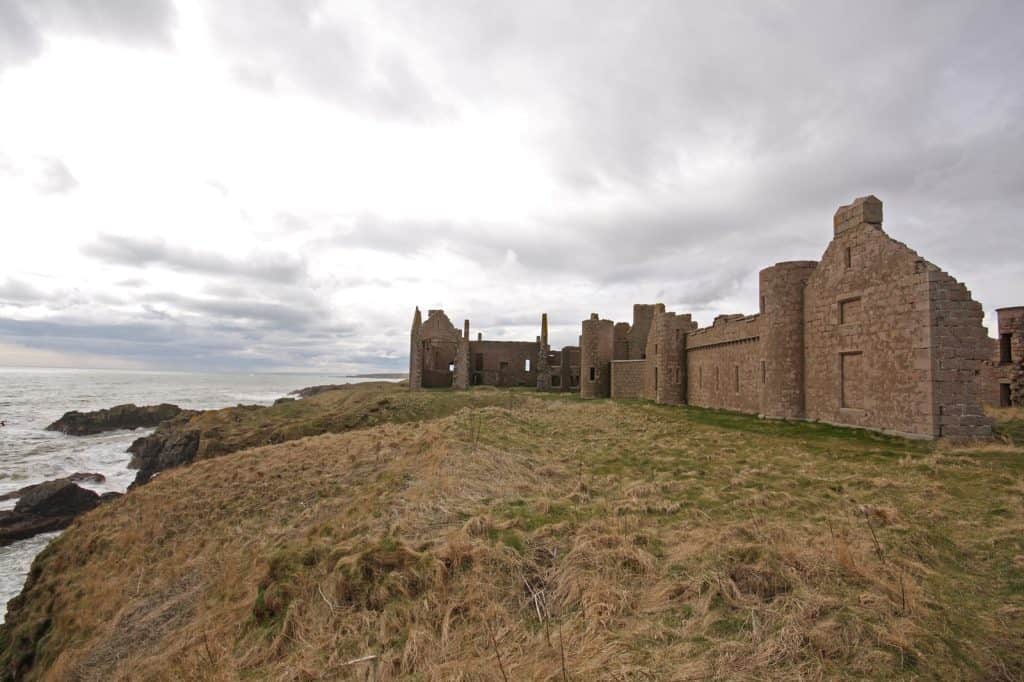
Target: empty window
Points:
(736, 378)
(1004, 348)
(526, 365)
(451, 366)
(848, 257)
(593, 373)
(764, 372)
(655, 349)
(1004, 395)
(655, 378)
(700, 376)
(850, 311)
(851, 380)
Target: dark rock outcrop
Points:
(78, 477)
(128, 416)
(311, 391)
(282, 401)
(163, 449)
(46, 507)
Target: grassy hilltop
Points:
(489, 535)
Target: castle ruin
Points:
(870, 336)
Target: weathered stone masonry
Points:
(441, 356)
(872, 336)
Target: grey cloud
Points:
(25, 24)
(18, 292)
(270, 313)
(55, 177)
(19, 39)
(295, 45)
(136, 252)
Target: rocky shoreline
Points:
(128, 416)
(180, 437)
(49, 506)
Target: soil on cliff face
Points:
(542, 537)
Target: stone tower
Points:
(543, 368)
(782, 345)
(597, 349)
(416, 353)
(461, 379)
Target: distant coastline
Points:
(378, 375)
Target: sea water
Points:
(30, 399)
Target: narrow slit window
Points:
(593, 373)
(736, 378)
(1005, 354)
(526, 365)
(848, 257)
(764, 372)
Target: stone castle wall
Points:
(665, 374)
(870, 336)
(503, 363)
(866, 339)
(627, 380)
(723, 364)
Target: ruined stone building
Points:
(441, 356)
(870, 336)
(1003, 374)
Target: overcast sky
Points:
(274, 185)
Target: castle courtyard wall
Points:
(627, 379)
(724, 364)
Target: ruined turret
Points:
(597, 348)
(543, 350)
(782, 347)
(416, 353)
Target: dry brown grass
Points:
(643, 542)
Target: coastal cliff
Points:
(487, 533)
